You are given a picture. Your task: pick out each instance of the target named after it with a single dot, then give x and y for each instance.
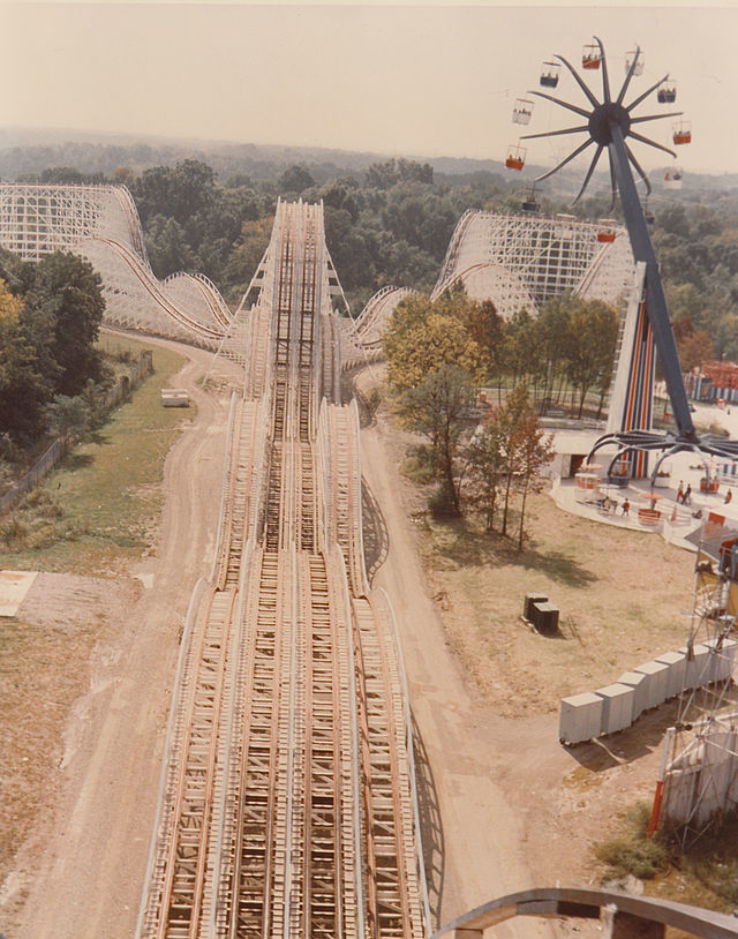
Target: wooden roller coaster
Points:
(287, 802)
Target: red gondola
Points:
(606, 230)
(682, 133)
(522, 111)
(591, 56)
(515, 157)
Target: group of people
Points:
(611, 505)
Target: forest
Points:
(390, 222)
(387, 222)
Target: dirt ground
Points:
(505, 805)
(80, 871)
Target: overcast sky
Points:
(414, 79)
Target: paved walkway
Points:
(676, 520)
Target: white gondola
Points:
(638, 70)
(673, 179)
(564, 227)
(522, 111)
(529, 203)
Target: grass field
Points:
(96, 510)
(100, 504)
(621, 596)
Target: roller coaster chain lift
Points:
(606, 125)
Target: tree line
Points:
(441, 354)
(50, 314)
(391, 223)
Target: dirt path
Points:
(505, 806)
(83, 877)
(478, 852)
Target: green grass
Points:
(704, 873)
(633, 852)
(100, 505)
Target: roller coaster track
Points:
(101, 223)
(287, 796)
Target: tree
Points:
(486, 457)
(166, 246)
(553, 332)
(591, 349)
(295, 179)
(423, 336)
(534, 449)
(505, 456)
(24, 387)
(67, 293)
(436, 408)
(522, 351)
(66, 415)
(694, 349)
(511, 417)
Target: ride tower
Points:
(609, 124)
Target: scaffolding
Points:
(698, 788)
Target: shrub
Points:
(635, 852)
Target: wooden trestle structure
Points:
(287, 805)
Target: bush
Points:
(418, 465)
(441, 504)
(13, 531)
(635, 853)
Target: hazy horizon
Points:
(420, 81)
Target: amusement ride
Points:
(609, 124)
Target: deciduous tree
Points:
(437, 407)
(67, 292)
